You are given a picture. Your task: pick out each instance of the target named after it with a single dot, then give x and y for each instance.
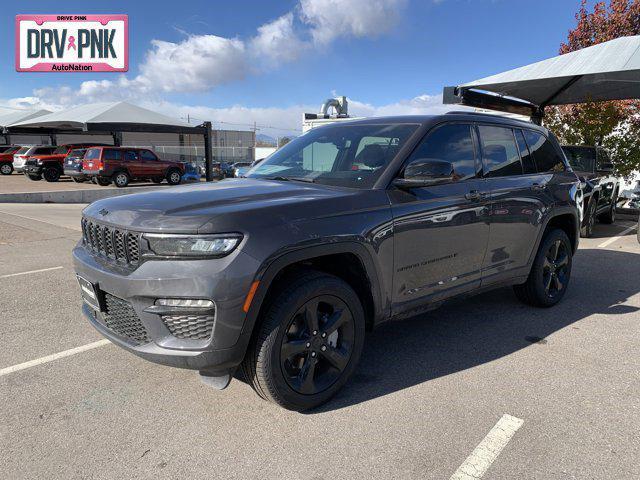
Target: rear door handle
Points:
(474, 195)
(538, 186)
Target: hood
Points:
(225, 206)
(56, 156)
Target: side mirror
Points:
(605, 167)
(426, 172)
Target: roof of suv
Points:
(433, 119)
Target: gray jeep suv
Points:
(347, 226)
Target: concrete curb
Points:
(72, 196)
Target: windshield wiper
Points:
(287, 179)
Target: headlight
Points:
(193, 245)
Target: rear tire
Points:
(308, 342)
(173, 176)
(51, 174)
(77, 180)
(120, 179)
(6, 169)
(550, 272)
(103, 182)
(34, 177)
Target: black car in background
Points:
(600, 186)
(73, 165)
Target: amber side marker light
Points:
(249, 299)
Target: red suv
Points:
(6, 158)
(50, 166)
(120, 165)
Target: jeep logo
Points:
(103, 212)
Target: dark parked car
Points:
(73, 165)
(121, 165)
(50, 165)
(282, 272)
(600, 186)
(6, 158)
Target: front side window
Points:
(112, 154)
(340, 154)
(544, 153)
(450, 143)
(148, 155)
(500, 157)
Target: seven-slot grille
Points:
(114, 243)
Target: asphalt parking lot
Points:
(428, 390)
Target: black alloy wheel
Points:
(317, 345)
(555, 269)
(51, 174)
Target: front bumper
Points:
(32, 169)
(225, 281)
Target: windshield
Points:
(342, 155)
(92, 154)
(582, 159)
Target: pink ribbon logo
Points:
(72, 43)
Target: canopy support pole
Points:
(208, 151)
(117, 138)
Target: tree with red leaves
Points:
(614, 124)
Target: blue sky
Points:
(269, 61)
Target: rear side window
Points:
(544, 153)
(92, 154)
(500, 157)
(130, 156)
(111, 154)
(528, 165)
(450, 143)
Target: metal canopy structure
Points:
(607, 71)
(111, 119)
(10, 116)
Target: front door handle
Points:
(538, 186)
(474, 195)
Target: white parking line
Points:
(31, 271)
(51, 358)
(477, 464)
(617, 237)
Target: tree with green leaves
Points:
(615, 124)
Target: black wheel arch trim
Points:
(557, 212)
(271, 267)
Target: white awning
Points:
(91, 116)
(607, 71)
(10, 116)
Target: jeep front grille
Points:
(194, 327)
(113, 243)
(122, 319)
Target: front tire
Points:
(34, 177)
(609, 216)
(308, 342)
(77, 180)
(586, 230)
(550, 273)
(173, 176)
(103, 182)
(6, 169)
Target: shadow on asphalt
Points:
(484, 328)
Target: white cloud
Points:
(359, 18)
(277, 41)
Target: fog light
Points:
(184, 302)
